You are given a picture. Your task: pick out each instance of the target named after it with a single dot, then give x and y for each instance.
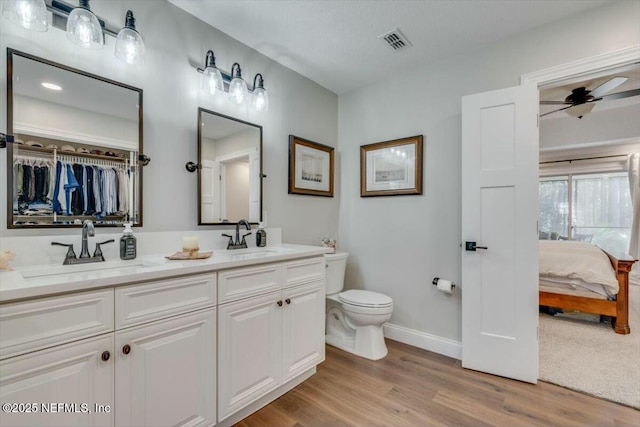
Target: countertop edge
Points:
(14, 288)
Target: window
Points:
(598, 211)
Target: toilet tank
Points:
(336, 266)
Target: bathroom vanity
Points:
(153, 342)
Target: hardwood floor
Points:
(414, 387)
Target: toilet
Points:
(354, 317)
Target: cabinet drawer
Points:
(304, 271)
(244, 282)
(33, 325)
(136, 304)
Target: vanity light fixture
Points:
(214, 81)
(83, 27)
(260, 99)
(238, 91)
(129, 43)
(211, 81)
(30, 14)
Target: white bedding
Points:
(579, 265)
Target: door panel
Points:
(500, 211)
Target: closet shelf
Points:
(22, 147)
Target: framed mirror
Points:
(78, 137)
(230, 169)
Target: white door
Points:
(302, 328)
(166, 372)
(250, 343)
(68, 385)
(210, 188)
(500, 212)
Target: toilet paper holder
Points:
(435, 283)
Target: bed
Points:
(580, 276)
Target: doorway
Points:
(593, 153)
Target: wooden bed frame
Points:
(618, 310)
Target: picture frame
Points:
(311, 167)
(391, 168)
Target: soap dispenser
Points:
(261, 236)
(127, 243)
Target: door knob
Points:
(105, 356)
(126, 349)
(288, 300)
(471, 246)
(279, 303)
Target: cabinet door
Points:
(249, 357)
(167, 374)
(68, 385)
(302, 328)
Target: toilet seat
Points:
(365, 299)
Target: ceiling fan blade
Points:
(620, 95)
(608, 86)
(554, 102)
(555, 111)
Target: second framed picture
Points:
(391, 168)
(310, 167)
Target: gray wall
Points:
(176, 44)
(398, 244)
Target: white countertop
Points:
(44, 280)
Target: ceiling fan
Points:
(581, 100)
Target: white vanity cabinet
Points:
(270, 332)
(166, 369)
(68, 385)
(151, 362)
(199, 348)
(166, 372)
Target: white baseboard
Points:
(423, 340)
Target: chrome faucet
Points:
(239, 244)
(87, 231)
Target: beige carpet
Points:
(591, 357)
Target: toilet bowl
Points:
(354, 317)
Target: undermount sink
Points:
(251, 253)
(56, 270)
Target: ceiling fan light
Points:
(30, 14)
(83, 27)
(580, 109)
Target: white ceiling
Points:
(335, 42)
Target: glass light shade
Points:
(129, 46)
(211, 81)
(30, 14)
(83, 28)
(238, 91)
(260, 101)
(580, 110)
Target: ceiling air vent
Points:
(395, 39)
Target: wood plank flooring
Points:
(414, 387)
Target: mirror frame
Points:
(261, 175)
(10, 55)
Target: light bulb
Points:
(238, 91)
(30, 14)
(83, 28)
(260, 99)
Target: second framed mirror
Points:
(230, 169)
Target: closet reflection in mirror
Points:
(229, 177)
(77, 140)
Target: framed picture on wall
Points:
(310, 167)
(391, 168)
